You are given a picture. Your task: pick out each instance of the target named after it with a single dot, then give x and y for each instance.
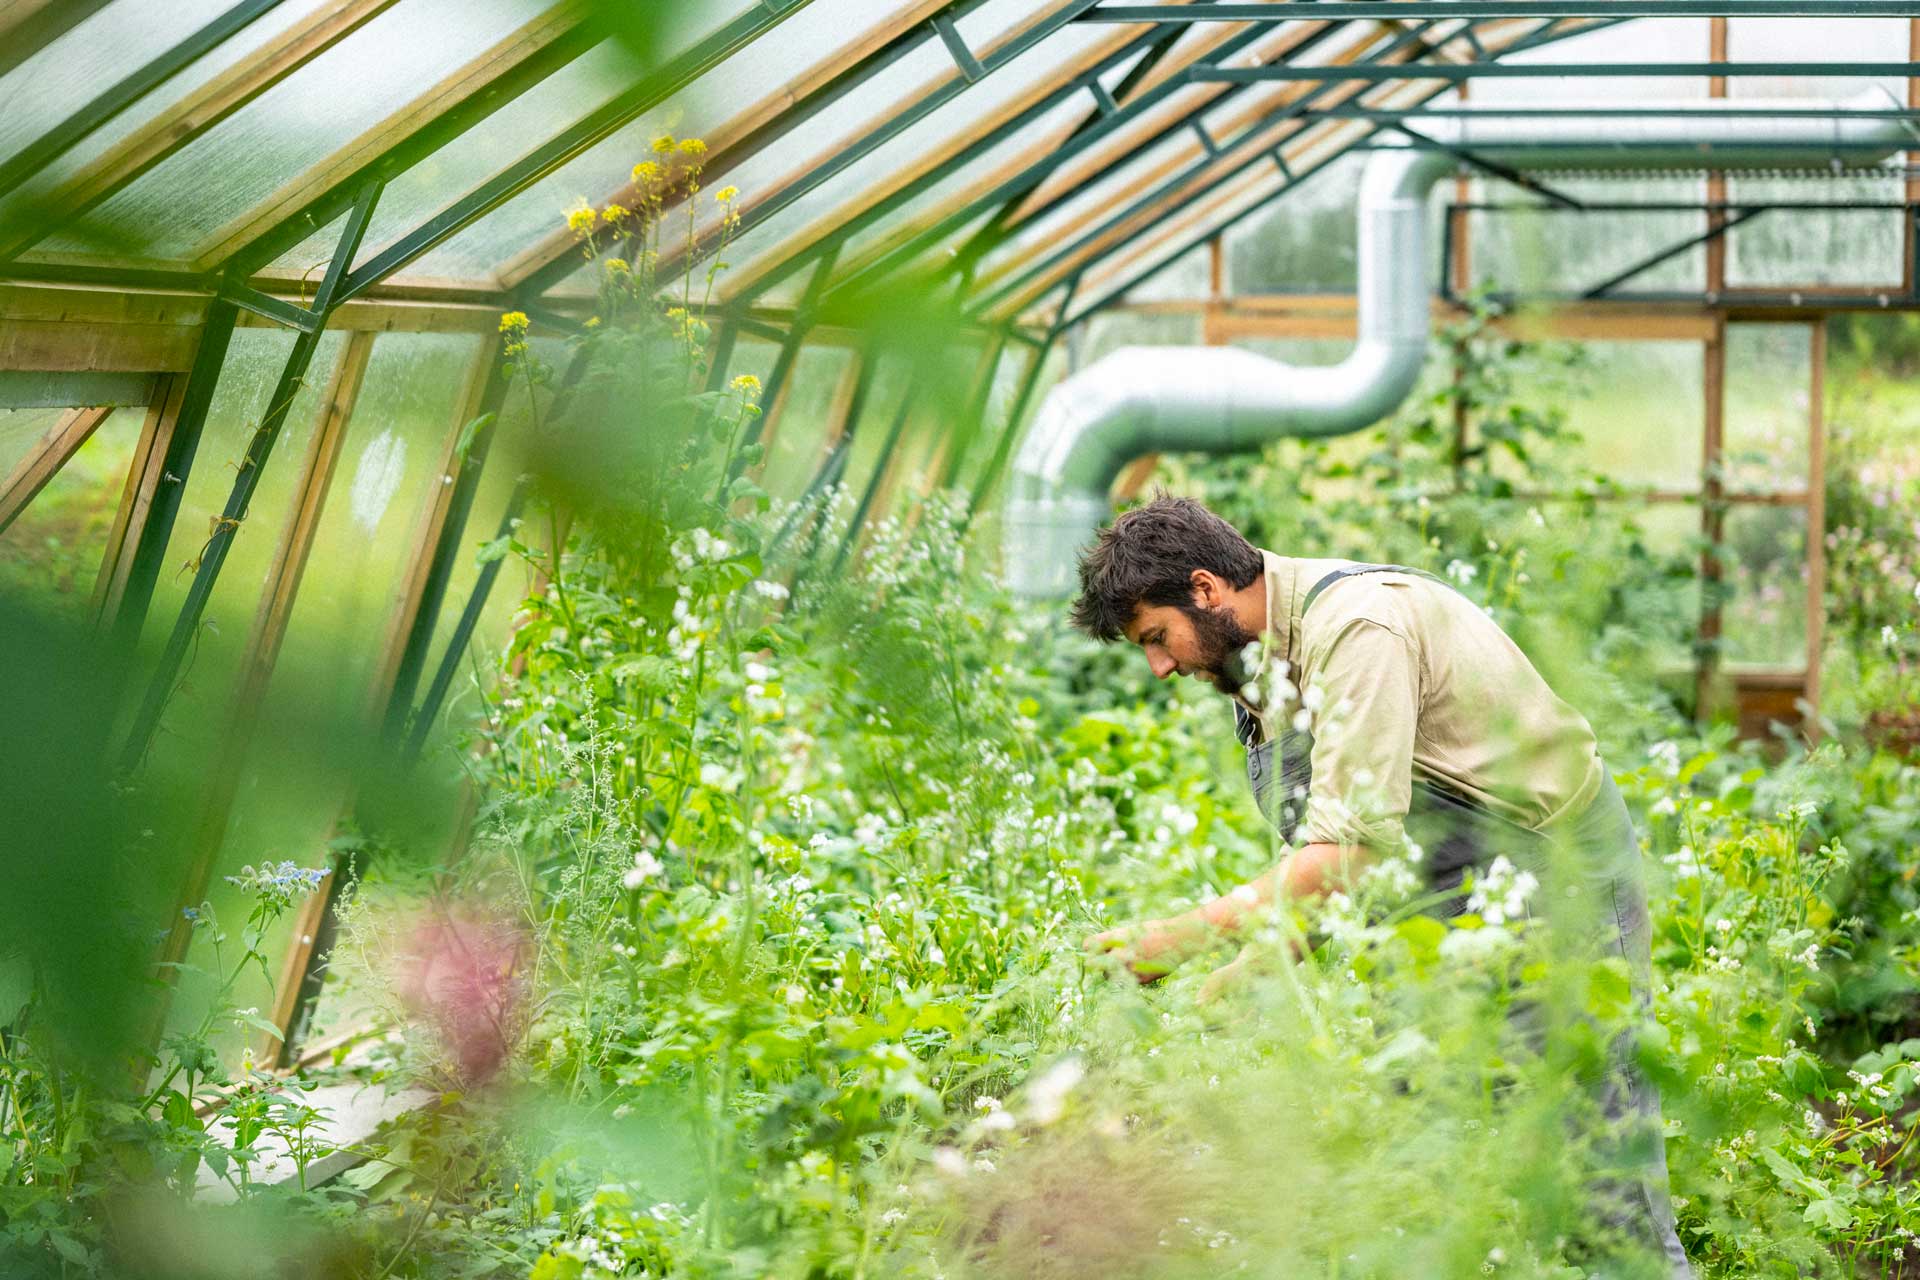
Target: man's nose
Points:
(1162, 663)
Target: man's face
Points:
(1192, 640)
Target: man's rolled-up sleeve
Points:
(1369, 678)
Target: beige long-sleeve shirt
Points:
(1401, 677)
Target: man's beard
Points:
(1221, 641)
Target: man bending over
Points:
(1425, 728)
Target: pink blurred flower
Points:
(462, 974)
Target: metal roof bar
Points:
(1672, 251)
(431, 135)
(1213, 229)
(1549, 70)
(1541, 36)
(1347, 10)
(50, 145)
(560, 256)
(186, 120)
(259, 449)
(1013, 216)
(871, 141)
(523, 173)
(1257, 129)
(1019, 185)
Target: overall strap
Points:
(1354, 572)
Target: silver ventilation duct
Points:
(1141, 400)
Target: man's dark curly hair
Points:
(1148, 555)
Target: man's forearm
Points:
(1308, 872)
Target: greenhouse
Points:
(570, 578)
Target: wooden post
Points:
(1712, 516)
(143, 477)
(1716, 181)
(1913, 157)
(1816, 524)
(31, 474)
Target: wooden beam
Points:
(196, 113)
(136, 497)
(463, 83)
(31, 474)
(1716, 181)
(97, 348)
(28, 26)
(226, 769)
(738, 138)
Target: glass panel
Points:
(52, 551)
(1190, 277)
(1765, 614)
(1002, 160)
(810, 36)
(906, 152)
(812, 393)
(1768, 407)
(354, 86)
(463, 164)
(505, 462)
(253, 366)
(1816, 40)
(195, 728)
(1305, 242)
(1639, 409)
(1108, 331)
(56, 82)
(314, 717)
(1572, 252)
(1643, 40)
(1811, 247)
(21, 430)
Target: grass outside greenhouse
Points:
(729, 919)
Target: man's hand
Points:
(1149, 950)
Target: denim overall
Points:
(1458, 834)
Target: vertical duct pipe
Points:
(1141, 400)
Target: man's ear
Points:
(1209, 590)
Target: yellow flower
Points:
(676, 313)
(692, 147)
(514, 321)
(617, 269)
(748, 384)
(727, 195)
(616, 213)
(646, 171)
(663, 145)
(591, 322)
(582, 220)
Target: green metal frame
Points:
(147, 720)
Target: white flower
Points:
(1047, 1094)
(771, 590)
(645, 867)
(758, 672)
(1666, 755)
(1462, 572)
(1889, 637)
